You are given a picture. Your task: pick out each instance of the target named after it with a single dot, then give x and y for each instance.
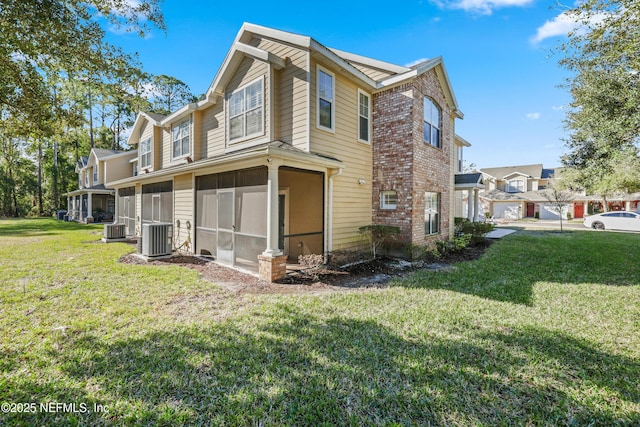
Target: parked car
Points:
(628, 221)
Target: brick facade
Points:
(403, 162)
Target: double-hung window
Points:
(431, 213)
(431, 123)
(515, 186)
(326, 88)
(364, 116)
(181, 136)
(246, 111)
(145, 153)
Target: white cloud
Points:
(416, 62)
(563, 24)
(485, 7)
(533, 116)
(559, 107)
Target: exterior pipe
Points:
(335, 174)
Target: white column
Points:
(469, 205)
(89, 207)
(627, 205)
(272, 210)
(476, 205)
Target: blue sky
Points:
(498, 53)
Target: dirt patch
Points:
(357, 276)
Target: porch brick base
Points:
(272, 268)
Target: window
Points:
(460, 160)
(364, 116)
(86, 178)
(431, 123)
(515, 186)
(145, 153)
(431, 213)
(246, 106)
(326, 107)
(181, 139)
(388, 199)
(95, 174)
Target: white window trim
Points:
(360, 91)
(255, 134)
(388, 206)
(188, 153)
(514, 189)
(439, 125)
(142, 165)
(438, 212)
(331, 129)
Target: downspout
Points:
(333, 175)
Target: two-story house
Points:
(93, 201)
(294, 147)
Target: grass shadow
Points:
(292, 368)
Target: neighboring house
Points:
(93, 201)
(467, 186)
(515, 192)
(293, 148)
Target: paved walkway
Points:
(499, 233)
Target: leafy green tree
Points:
(169, 93)
(604, 121)
(43, 39)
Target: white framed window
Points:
(145, 153)
(86, 178)
(431, 213)
(325, 91)
(388, 199)
(95, 174)
(515, 186)
(431, 123)
(364, 116)
(246, 111)
(181, 137)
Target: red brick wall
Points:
(404, 163)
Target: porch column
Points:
(476, 205)
(469, 205)
(272, 264)
(627, 205)
(89, 208)
(272, 210)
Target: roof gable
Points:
(532, 171)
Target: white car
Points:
(628, 221)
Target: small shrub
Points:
(379, 235)
(311, 264)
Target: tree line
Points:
(65, 90)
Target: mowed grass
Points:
(544, 329)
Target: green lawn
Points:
(544, 329)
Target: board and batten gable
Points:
(352, 189)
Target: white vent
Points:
(156, 239)
(114, 231)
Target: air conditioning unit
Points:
(156, 239)
(114, 231)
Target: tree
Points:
(604, 121)
(170, 93)
(559, 199)
(49, 38)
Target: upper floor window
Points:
(460, 161)
(246, 111)
(145, 153)
(431, 123)
(364, 116)
(95, 174)
(180, 134)
(86, 179)
(326, 94)
(515, 186)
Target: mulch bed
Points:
(357, 276)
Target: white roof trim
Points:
(262, 55)
(462, 141)
(178, 114)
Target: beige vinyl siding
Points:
(138, 231)
(213, 130)
(373, 73)
(183, 212)
(290, 105)
(117, 168)
(248, 71)
(157, 148)
(351, 200)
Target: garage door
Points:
(506, 210)
(548, 211)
